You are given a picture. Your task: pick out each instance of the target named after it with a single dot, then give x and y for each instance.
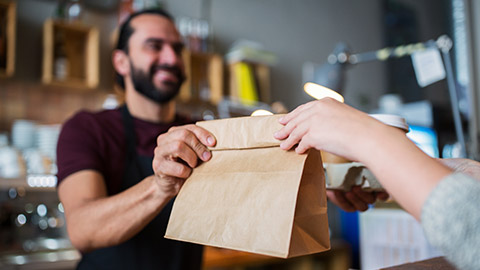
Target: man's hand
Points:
(178, 151)
(356, 199)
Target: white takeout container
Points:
(343, 174)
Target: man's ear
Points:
(120, 62)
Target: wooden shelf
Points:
(7, 37)
(70, 54)
(204, 80)
(204, 88)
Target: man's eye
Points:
(154, 46)
(178, 49)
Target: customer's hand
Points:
(334, 127)
(327, 125)
(178, 151)
(356, 199)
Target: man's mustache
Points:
(173, 69)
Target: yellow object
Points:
(247, 89)
(318, 92)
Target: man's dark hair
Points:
(126, 30)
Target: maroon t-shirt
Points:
(96, 141)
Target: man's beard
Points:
(143, 83)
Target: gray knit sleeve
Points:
(451, 220)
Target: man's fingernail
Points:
(206, 155)
(280, 119)
(210, 140)
(275, 134)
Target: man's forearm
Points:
(112, 220)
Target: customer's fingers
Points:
(288, 117)
(356, 201)
(383, 196)
(338, 198)
(290, 127)
(366, 196)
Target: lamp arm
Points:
(389, 52)
(452, 89)
(443, 43)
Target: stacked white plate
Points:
(46, 140)
(9, 166)
(23, 134)
(3, 139)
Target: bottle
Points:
(61, 63)
(195, 39)
(205, 35)
(60, 9)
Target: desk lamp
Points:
(331, 74)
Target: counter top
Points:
(439, 263)
(49, 259)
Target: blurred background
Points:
(55, 59)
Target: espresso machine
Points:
(32, 225)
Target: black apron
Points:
(148, 249)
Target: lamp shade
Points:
(330, 76)
(332, 73)
(318, 92)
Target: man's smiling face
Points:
(154, 51)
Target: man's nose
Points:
(168, 55)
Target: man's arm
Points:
(95, 220)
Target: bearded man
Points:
(119, 170)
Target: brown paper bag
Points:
(253, 196)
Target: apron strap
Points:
(130, 140)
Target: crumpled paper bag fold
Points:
(253, 196)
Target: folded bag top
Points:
(244, 132)
(252, 195)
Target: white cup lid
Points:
(392, 120)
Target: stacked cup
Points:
(46, 140)
(23, 134)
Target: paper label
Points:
(428, 66)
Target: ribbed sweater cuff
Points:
(451, 220)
